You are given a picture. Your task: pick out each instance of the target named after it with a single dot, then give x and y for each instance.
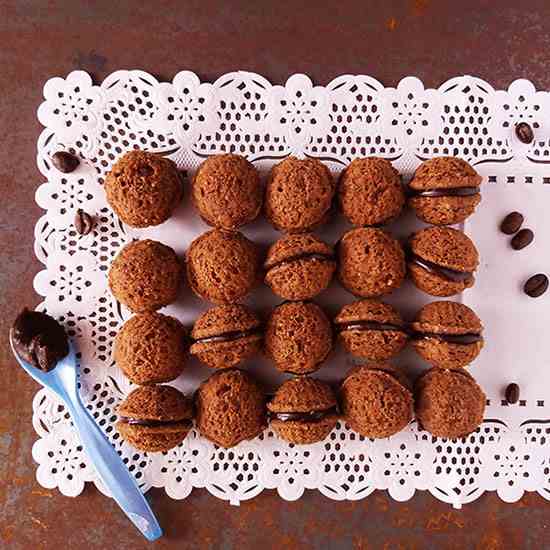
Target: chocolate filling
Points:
(461, 339)
(453, 192)
(445, 272)
(39, 339)
(305, 256)
(154, 423)
(229, 336)
(368, 325)
(311, 416)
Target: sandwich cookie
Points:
(299, 266)
(303, 410)
(225, 336)
(442, 261)
(444, 191)
(371, 330)
(447, 334)
(155, 418)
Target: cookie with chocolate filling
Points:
(155, 418)
(299, 266)
(298, 337)
(371, 330)
(447, 334)
(442, 261)
(444, 191)
(303, 410)
(225, 336)
(376, 400)
(449, 403)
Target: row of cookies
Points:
(223, 267)
(376, 401)
(144, 189)
(298, 337)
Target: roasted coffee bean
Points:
(512, 393)
(522, 239)
(524, 132)
(83, 222)
(536, 285)
(511, 223)
(65, 162)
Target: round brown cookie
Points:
(442, 261)
(145, 276)
(150, 348)
(371, 330)
(222, 266)
(448, 402)
(299, 266)
(298, 337)
(227, 191)
(444, 191)
(370, 192)
(299, 194)
(143, 188)
(376, 400)
(230, 408)
(155, 418)
(370, 262)
(447, 334)
(225, 336)
(303, 410)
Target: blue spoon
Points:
(62, 380)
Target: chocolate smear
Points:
(153, 423)
(311, 416)
(461, 339)
(39, 339)
(229, 336)
(368, 325)
(451, 192)
(445, 272)
(305, 256)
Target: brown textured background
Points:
(498, 40)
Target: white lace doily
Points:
(352, 116)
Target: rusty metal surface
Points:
(498, 40)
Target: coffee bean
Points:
(522, 239)
(512, 393)
(536, 285)
(524, 132)
(511, 223)
(65, 162)
(83, 222)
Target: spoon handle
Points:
(113, 473)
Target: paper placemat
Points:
(353, 116)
